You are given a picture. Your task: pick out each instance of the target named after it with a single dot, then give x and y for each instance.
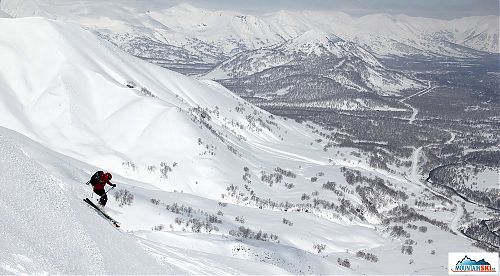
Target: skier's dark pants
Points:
(104, 197)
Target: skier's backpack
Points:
(96, 177)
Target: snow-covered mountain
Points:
(213, 36)
(232, 32)
(286, 55)
(310, 45)
(219, 186)
(481, 33)
(132, 30)
(317, 54)
(385, 35)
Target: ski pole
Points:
(105, 193)
(109, 190)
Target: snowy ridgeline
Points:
(218, 185)
(211, 34)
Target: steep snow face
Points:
(73, 92)
(46, 229)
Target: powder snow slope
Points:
(219, 185)
(47, 228)
(69, 91)
(46, 231)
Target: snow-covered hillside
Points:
(219, 185)
(47, 229)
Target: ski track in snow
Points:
(288, 155)
(183, 262)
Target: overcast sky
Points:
(427, 8)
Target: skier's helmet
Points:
(109, 176)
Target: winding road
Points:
(453, 135)
(418, 94)
(414, 176)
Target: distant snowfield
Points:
(190, 152)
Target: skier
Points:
(98, 181)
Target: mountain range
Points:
(285, 56)
(214, 36)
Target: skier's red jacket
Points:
(102, 182)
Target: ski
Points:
(104, 215)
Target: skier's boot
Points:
(103, 200)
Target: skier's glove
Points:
(114, 185)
